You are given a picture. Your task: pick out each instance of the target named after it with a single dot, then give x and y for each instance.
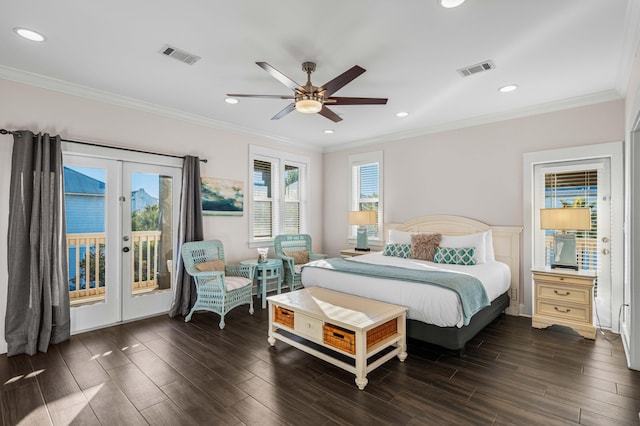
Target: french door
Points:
(121, 231)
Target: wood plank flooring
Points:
(161, 371)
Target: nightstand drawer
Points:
(565, 312)
(562, 294)
(308, 327)
(563, 279)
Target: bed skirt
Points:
(453, 337)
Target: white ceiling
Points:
(561, 53)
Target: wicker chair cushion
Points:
(210, 265)
(300, 257)
(234, 283)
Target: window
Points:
(277, 194)
(366, 191)
(569, 190)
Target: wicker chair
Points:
(286, 245)
(218, 290)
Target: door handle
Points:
(605, 251)
(125, 249)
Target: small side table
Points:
(269, 270)
(564, 297)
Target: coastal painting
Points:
(221, 197)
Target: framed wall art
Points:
(222, 197)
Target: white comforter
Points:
(426, 303)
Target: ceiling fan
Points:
(311, 99)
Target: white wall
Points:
(631, 315)
(474, 172)
(27, 107)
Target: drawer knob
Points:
(566, 293)
(564, 311)
(308, 325)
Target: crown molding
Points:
(73, 89)
(608, 96)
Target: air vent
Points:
(180, 55)
(475, 69)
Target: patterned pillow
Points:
(423, 246)
(397, 250)
(455, 256)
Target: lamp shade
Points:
(566, 219)
(362, 217)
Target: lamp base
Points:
(362, 241)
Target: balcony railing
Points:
(87, 264)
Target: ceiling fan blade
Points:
(356, 101)
(239, 95)
(284, 112)
(326, 112)
(342, 80)
(280, 77)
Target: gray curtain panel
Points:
(37, 312)
(189, 229)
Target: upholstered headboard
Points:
(506, 242)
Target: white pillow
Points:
(399, 237)
(490, 255)
(477, 241)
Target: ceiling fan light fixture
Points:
(308, 105)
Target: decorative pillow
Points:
(423, 246)
(477, 241)
(299, 256)
(397, 250)
(455, 256)
(210, 265)
(489, 255)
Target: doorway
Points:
(580, 184)
(121, 219)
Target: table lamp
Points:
(362, 219)
(564, 245)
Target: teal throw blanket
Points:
(470, 290)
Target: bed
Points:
(435, 314)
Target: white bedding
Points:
(426, 303)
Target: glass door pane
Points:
(91, 223)
(149, 218)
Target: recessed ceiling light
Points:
(449, 4)
(231, 100)
(508, 88)
(29, 34)
(328, 131)
(402, 114)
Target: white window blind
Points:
(278, 195)
(366, 190)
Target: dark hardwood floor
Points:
(163, 371)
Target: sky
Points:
(148, 181)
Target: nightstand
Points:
(564, 297)
(351, 252)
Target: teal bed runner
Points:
(470, 290)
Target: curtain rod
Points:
(9, 132)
